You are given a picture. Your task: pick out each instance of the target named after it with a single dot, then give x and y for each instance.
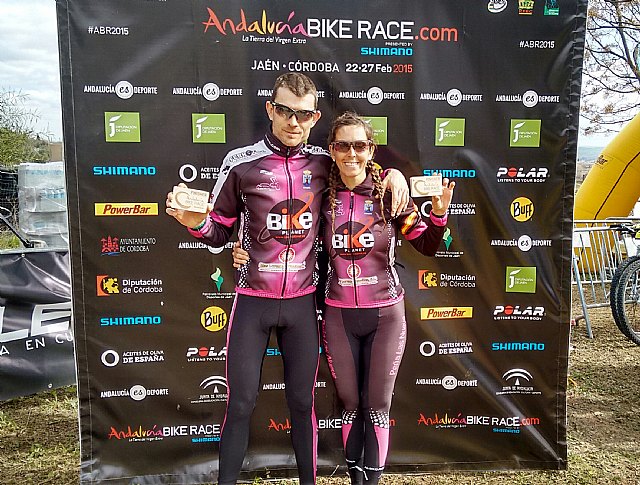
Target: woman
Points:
(365, 316)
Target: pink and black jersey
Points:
(361, 245)
(276, 191)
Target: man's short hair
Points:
(298, 84)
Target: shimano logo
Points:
(471, 173)
(123, 170)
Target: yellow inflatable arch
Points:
(612, 186)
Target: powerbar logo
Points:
(445, 313)
(126, 209)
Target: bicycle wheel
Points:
(625, 298)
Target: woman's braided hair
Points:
(351, 118)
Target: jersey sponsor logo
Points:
(288, 222)
(354, 244)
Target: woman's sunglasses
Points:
(345, 146)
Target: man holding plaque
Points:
(274, 189)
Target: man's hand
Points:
(186, 218)
(440, 203)
(240, 256)
(397, 183)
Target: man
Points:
(275, 188)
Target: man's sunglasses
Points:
(345, 146)
(286, 112)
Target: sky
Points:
(29, 63)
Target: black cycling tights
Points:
(364, 350)
(247, 339)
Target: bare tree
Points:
(611, 79)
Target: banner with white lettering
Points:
(156, 92)
(36, 339)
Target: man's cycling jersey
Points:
(277, 191)
(361, 245)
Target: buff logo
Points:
(213, 319)
(126, 209)
(262, 26)
(522, 209)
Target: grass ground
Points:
(39, 434)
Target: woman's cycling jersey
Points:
(361, 245)
(277, 192)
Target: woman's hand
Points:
(440, 203)
(397, 183)
(240, 256)
(186, 218)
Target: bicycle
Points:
(625, 285)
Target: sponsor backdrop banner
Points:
(36, 339)
(486, 92)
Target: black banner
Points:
(486, 92)
(36, 339)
